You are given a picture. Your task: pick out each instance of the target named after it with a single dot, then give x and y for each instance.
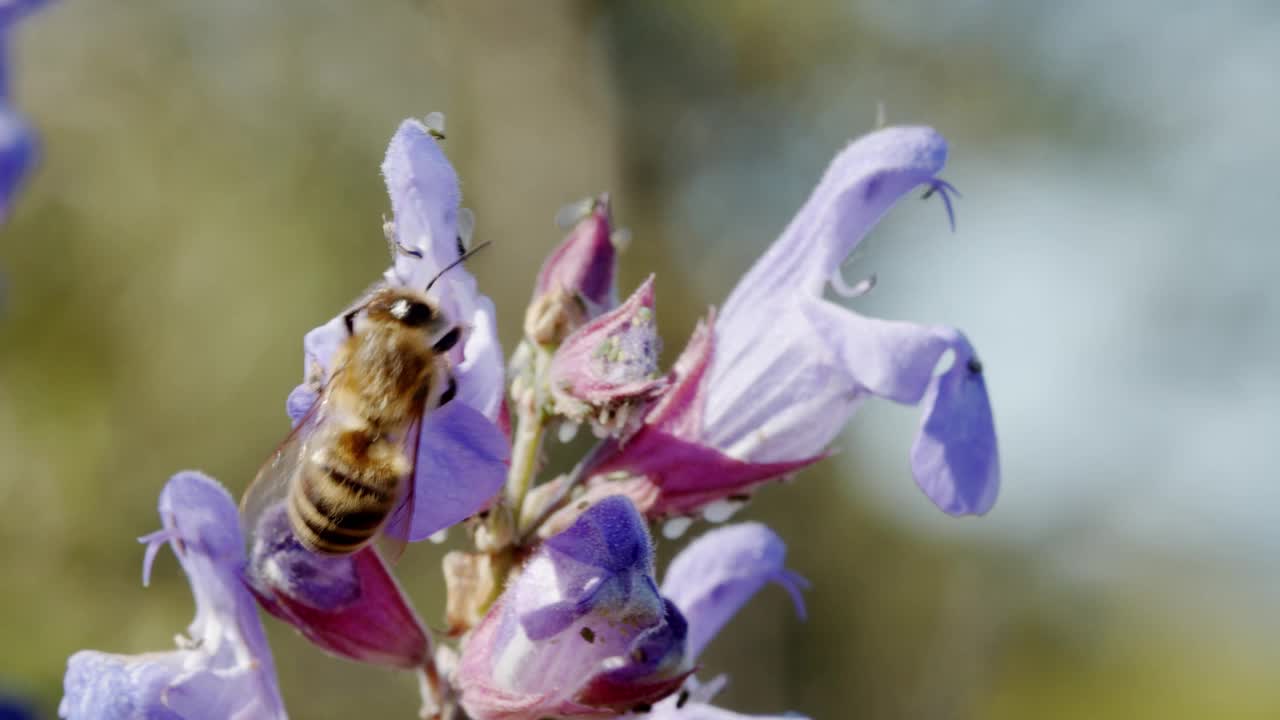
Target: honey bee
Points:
(342, 470)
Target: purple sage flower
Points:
(610, 365)
(765, 386)
(349, 605)
(19, 148)
(581, 632)
(462, 452)
(576, 282)
(222, 668)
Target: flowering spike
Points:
(224, 668)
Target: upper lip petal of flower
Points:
(224, 668)
(859, 187)
(425, 200)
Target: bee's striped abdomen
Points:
(343, 496)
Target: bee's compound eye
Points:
(411, 312)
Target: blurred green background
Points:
(210, 191)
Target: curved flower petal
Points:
(224, 669)
(712, 578)
(893, 360)
(349, 605)
(462, 463)
(859, 187)
(954, 459)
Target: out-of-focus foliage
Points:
(210, 192)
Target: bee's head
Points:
(414, 312)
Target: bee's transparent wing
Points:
(394, 537)
(271, 485)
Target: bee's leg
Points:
(350, 321)
(450, 391)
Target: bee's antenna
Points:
(457, 262)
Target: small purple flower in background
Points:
(15, 708)
(19, 148)
(789, 368)
(610, 365)
(581, 632)
(222, 668)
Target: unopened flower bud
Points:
(575, 283)
(609, 366)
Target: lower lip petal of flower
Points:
(348, 605)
